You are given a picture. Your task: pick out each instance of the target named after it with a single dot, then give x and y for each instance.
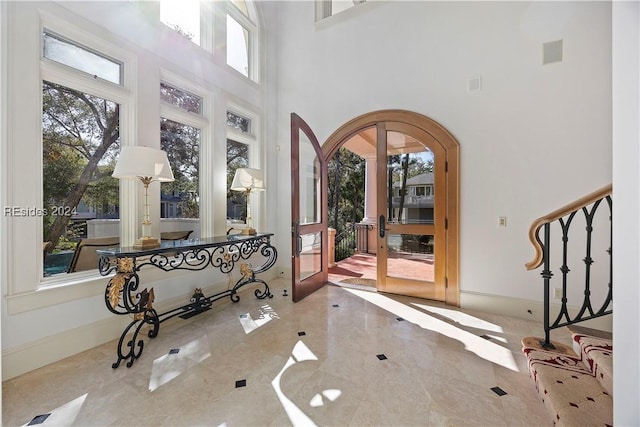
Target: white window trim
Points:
(64, 75)
(200, 121)
(256, 156)
(252, 29)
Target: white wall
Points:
(536, 137)
(626, 182)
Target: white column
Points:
(370, 193)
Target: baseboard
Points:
(36, 354)
(524, 309)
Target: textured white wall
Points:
(536, 137)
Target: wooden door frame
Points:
(452, 153)
(302, 288)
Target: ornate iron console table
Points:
(122, 296)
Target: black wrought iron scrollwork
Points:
(123, 297)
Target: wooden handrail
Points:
(557, 214)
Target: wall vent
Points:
(474, 84)
(552, 52)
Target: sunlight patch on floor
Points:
(254, 319)
(66, 414)
(481, 347)
(461, 318)
(171, 365)
(301, 353)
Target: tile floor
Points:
(340, 357)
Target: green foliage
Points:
(64, 244)
(346, 189)
(182, 144)
(80, 141)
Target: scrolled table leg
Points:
(121, 298)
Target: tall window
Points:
(240, 37)
(182, 16)
(181, 139)
(81, 139)
(237, 157)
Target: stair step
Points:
(597, 355)
(577, 329)
(567, 387)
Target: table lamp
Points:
(248, 180)
(146, 164)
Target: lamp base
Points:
(249, 231)
(146, 243)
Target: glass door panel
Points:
(410, 256)
(309, 176)
(411, 221)
(310, 255)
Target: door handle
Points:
(381, 226)
(296, 235)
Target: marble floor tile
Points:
(340, 357)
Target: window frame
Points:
(64, 75)
(200, 121)
(66, 40)
(254, 152)
(247, 22)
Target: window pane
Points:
(183, 16)
(309, 176)
(237, 157)
(410, 174)
(238, 122)
(237, 46)
(81, 139)
(310, 255)
(180, 98)
(180, 198)
(410, 256)
(81, 58)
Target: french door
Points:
(411, 235)
(308, 211)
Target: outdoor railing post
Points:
(332, 246)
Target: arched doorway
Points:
(431, 273)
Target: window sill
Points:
(85, 285)
(57, 292)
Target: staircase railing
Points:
(564, 217)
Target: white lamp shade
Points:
(143, 162)
(248, 179)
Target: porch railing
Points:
(345, 243)
(563, 218)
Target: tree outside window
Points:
(81, 139)
(181, 198)
(237, 157)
